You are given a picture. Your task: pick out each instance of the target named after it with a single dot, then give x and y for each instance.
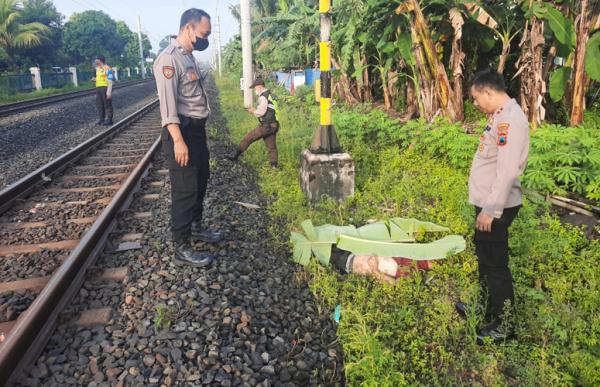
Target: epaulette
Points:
(169, 50)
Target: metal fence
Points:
(56, 80)
(84, 76)
(11, 84)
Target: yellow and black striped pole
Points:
(325, 139)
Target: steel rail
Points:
(25, 185)
(16, 107)
(33, 328)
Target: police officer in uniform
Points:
(104, 83)
(268, 126)
(495, 191)
(184, 109)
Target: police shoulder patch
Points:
(503, 134)
(168, 71)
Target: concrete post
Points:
(325, 171)
(116, 71)
(128, 72)
(73, 71)
(246, 32)
(37, 77)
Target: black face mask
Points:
(200, 44)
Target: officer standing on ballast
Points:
(495, 191)
(184, 109)
(104, 85)
(268, 126)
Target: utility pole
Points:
(325, 171)
(246, 51)
(219, 45)
(143, 60)
(325, 139)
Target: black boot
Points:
(186, 255)
(496, 331)
(462, 309)
(100, 121)
(274, 165)
(205, 235)
(107, 123)
(234, 157)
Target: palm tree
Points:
(15, 35)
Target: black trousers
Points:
(492, 255)
(188, 184)
(104, 105)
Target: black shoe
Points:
(100, 121)
(274, 165)
(186, 255)
(235, 156)
(205, 235)
(496, 332)
(107, 123)
(461, 308)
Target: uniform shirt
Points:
(103, 75)
(499, 161)
(261, 105)
(179, 85)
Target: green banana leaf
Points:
(417, 251)
(412, 226)
(384, 238)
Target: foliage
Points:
(130, 56)
(91, 33)
(592, 57)
(407, 333)
(50, 51)
(232, 56)
(16, 34)
(564, 159)
(47, 91)
(395, 237)
(418, 56)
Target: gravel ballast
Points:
(249, 319)
(30, 139)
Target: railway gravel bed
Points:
(247, 320)
(39, 232)
(32, 138)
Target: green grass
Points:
(19, 97)
(407, 333)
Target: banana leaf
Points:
(439, 249)
(383, 238)
(412, 226)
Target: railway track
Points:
(16, 107)
(54, 223)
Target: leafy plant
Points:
(393, 238)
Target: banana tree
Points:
(505, 33)
(435, 94)
(578, 93)
(394, 238)
(14, 34)
(529, 64)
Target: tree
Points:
(436, 94)
(91, 33)
(579, 77)
(14, 34)
(49, 52)
(130, 56)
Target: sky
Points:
(159, 17)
